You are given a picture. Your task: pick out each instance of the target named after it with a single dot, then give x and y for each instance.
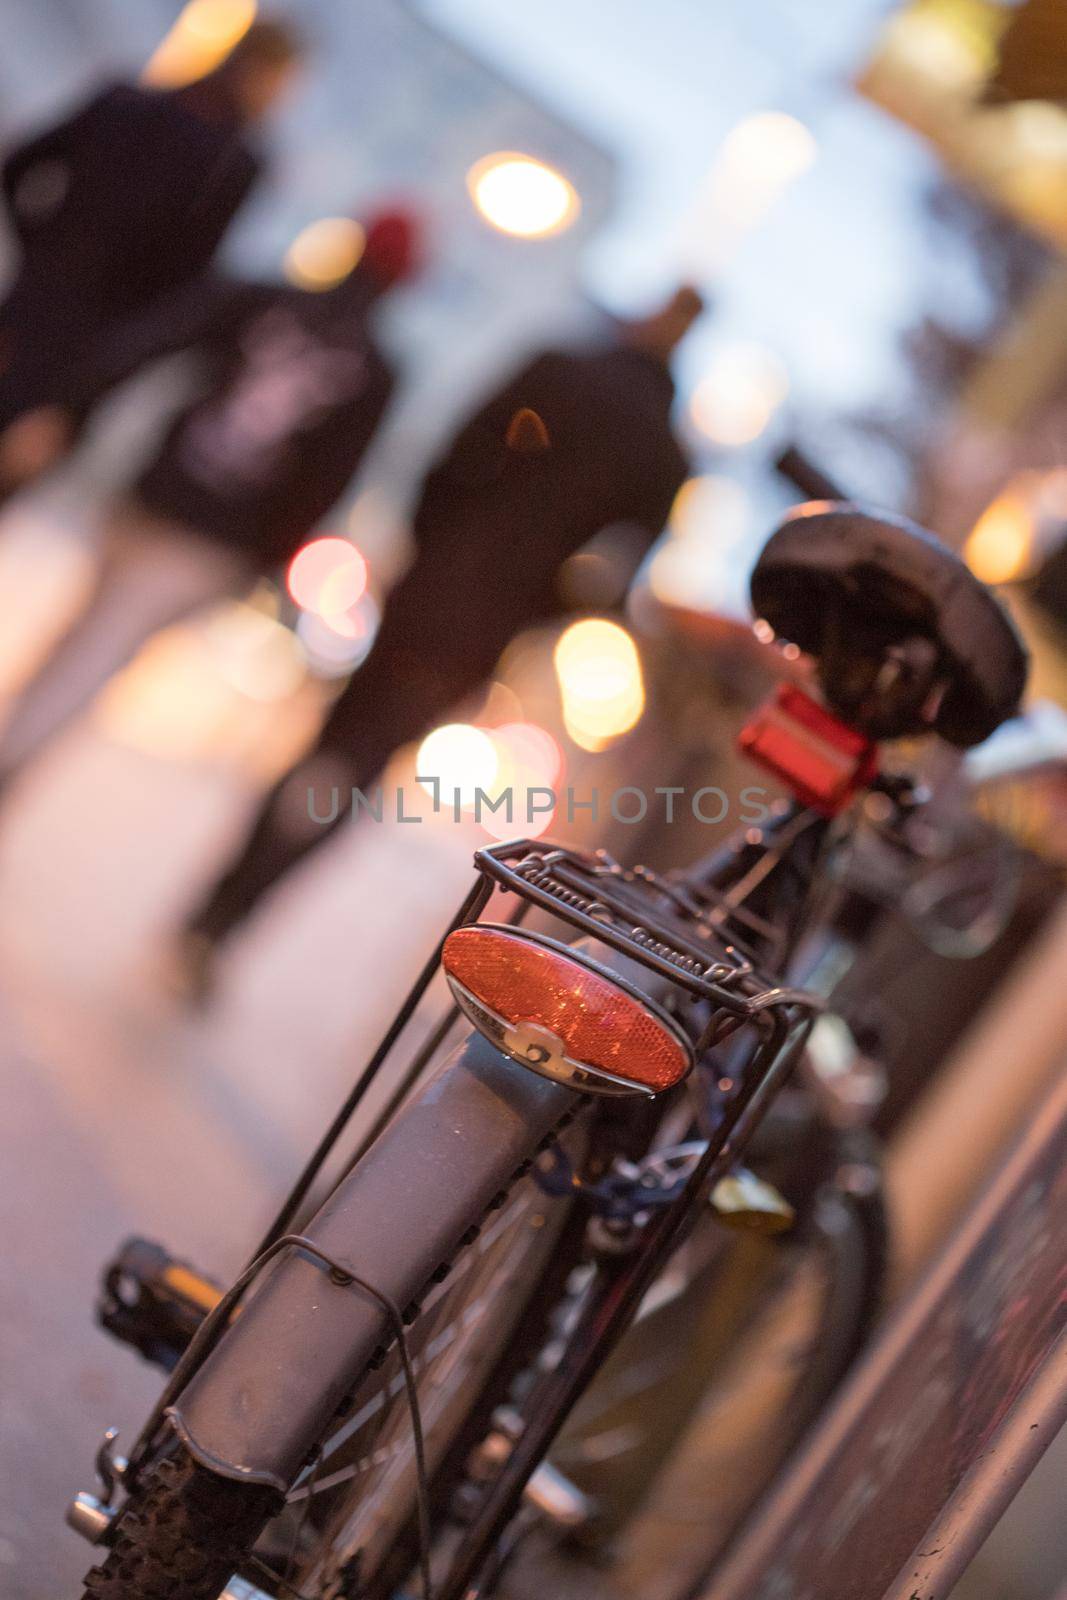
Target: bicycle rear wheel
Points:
(197, 1515)
(705, 1398)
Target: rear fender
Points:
(263, 1398)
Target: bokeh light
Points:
(948, 45)
(333, 653)
(462, 758)
(600, 681)
(739, 394)
(1001, 544)
(710, 506)
(521, 196)
(202, 36)
(527, 758)
(763, 154)
(705, 560)
(329, 577)
(527, 754)
(324, 252)
(256, 655)
(757, 162)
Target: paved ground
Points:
(120, 1113)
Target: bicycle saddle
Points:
(905, 637)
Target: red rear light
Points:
(821, 759)
(557, 1013)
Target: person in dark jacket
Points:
(576, 443)
(119, 206)
(294, 387)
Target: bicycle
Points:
(710, 1392)
(376, 1392)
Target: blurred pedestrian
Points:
(114, 208)
(294, 387)
(576, 443)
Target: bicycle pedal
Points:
(154, 1302)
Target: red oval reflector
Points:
(600, 1027)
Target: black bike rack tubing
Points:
(609, 1313)
(545, 901)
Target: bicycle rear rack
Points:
(661, 925)
(674, 930)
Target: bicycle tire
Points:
(187, 1535)
(706, 1495)
(186, 1528)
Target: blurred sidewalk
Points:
(123, 1114)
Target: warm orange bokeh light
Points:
(202, 36)
(462, 758)
(521, 196)
(324, 252)
(600, 681)
(1002, 541)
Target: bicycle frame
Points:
(735, 885)
(623, 1282)
(266, 1444)
(656, 981)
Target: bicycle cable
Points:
(344, 1276)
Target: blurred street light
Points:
(736, 399)
(333, 653)
(328, 577)
(600, 680)
(1005, 542)
(756, 163)
(529, 758)
(462, 758)
(203, 34)
(324, 253)
(521, 196)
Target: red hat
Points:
(393, 249)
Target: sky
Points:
(840, 263)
